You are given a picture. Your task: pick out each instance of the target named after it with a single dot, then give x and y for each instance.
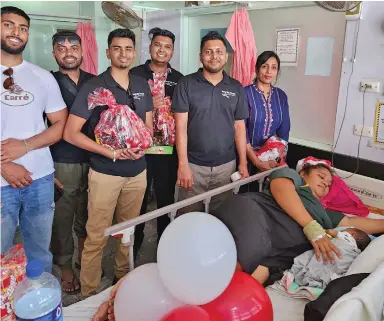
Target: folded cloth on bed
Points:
(340, 198)
(363, 303)
(288, 286)
(317, 310)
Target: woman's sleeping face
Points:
(319, 180)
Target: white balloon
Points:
(196, 258)
(143, 297)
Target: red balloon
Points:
(188, 313)
(245, 299)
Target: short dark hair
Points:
(154, 32)
(212, 35)
(14, 10)
(362, 238)
(307, 168)
(263, 58)
(65, 34)
(121, 33)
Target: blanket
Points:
(364, 302)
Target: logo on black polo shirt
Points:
(227, 94)
(170, 83)
(137, 96)
(17, 98)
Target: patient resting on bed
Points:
(308, 271)
(272, 228)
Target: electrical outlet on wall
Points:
(365, 131)
(370, 86)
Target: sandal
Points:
(69, 283)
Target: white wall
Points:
(369, 64)
(165, 19)
(39, 49)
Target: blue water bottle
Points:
(38, 296)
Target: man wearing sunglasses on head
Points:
(26, 162)
(71, 165)
(117, 178)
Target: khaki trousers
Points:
(206, 179)
(108, 193)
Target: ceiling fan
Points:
(121, 14)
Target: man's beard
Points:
(213, 70)
(70, 66)
(10, 50)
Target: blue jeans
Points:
(32, 208)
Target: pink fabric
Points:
(89, 45)
(340, 198)
(240, 36)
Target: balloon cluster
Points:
(194, 279)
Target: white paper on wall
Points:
(379, 124)
(287, 46)
(319, 56)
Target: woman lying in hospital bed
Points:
(272, 228)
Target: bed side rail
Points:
(172, 209)
(126, 229)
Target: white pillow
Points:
(369, 259)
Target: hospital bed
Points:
(354, 306)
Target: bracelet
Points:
(114, 156)
(314, 231)
(26, 146)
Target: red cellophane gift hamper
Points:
(275, 149)
(13, 264)
(164, 129)
(119, 126)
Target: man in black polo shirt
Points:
(117, 178)
(209, 109)
(71, 165)
(161, 169)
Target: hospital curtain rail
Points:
(127, 228)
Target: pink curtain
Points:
(240, 35)
(89, 45)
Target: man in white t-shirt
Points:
(27, 179)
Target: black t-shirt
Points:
(212, 111)
(173, 76)
(62, 151)
(143, 103)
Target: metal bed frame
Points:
(126, 229)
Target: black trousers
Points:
(162, 172)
